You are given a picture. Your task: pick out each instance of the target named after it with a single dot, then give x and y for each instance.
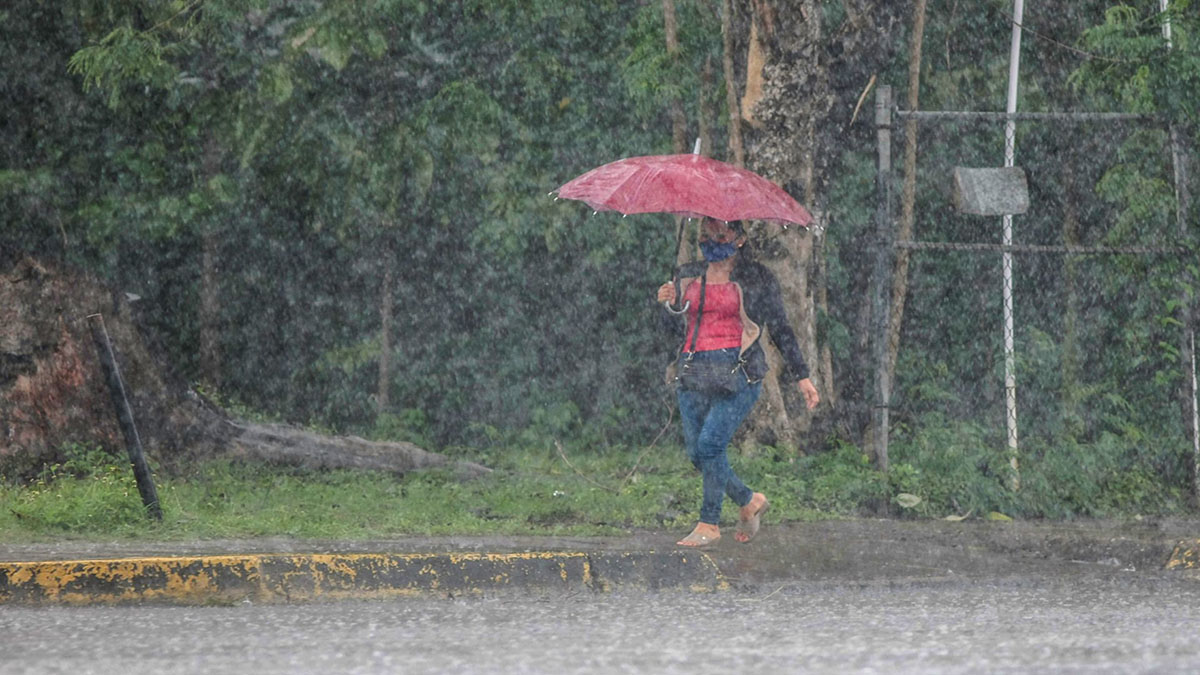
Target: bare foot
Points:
(751, 517)
(703, 535)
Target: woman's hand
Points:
(811, 397)
(666, 293)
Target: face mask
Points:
(714, 252)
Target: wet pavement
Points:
(861, 596)
(856, 549)
(1094, 620)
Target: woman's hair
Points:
(746, 252)
(735, 225)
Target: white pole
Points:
(1162, 6)
(1180, 210)
(1010, 132)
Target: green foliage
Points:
(842, 480)
(324, 145)
(956, 471)
(539, 490)
(409, 425)
(1134, 65)
(123, 57)
(653, 78)
(954, 467)
(89, 491)
(532, 492)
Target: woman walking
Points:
(721, 365)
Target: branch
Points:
(562, 453)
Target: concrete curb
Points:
(273, 578)
(1186, 556)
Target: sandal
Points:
(748, 527)
(698, 540)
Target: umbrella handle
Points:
(681, 310)
(686, 303)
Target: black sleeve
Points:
(775, 317)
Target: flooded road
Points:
(1107, 621)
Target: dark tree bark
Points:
(210, 293)
(383, 391)
(812, 76)
(908, 199)
(737, 155)
(53, 392)
(678, 121)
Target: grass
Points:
(953, 471)
(530, 492)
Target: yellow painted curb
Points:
(300, 578)
(1186, 556)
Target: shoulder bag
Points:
(708, 377)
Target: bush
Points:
(841, 481)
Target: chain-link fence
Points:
(1067, 326)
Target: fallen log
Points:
(299, 447)
(53, 392)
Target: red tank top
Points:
(721, 324)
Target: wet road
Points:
(1105, 621)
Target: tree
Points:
(904, 231)
(813, 74)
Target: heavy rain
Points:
(322, 319)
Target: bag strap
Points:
(699, 313)
(691, 352)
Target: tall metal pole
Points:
(881, 277)
(1182, 209)
(1010, 133)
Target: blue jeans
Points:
(709, 422)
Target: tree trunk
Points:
(824, 365)
(705, 113)
(281, 444)
(383, 396)
(737, 155)
(678, 121)
(53, 391)
(1070, 343)
(210, 307)
(755, 60)
(908, 197)
(776, 420)
(812, 76)
(210, 313)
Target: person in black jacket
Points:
(734, 298)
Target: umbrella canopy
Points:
(692, 186)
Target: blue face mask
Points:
(714, 252)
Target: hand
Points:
(811, 397)
(666, 293)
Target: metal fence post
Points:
(880, 298)
(1187, 352)
(1010, 360)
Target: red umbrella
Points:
(692, 186)
(687, 185)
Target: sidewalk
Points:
(275, 569)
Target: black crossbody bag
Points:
(709, 377)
